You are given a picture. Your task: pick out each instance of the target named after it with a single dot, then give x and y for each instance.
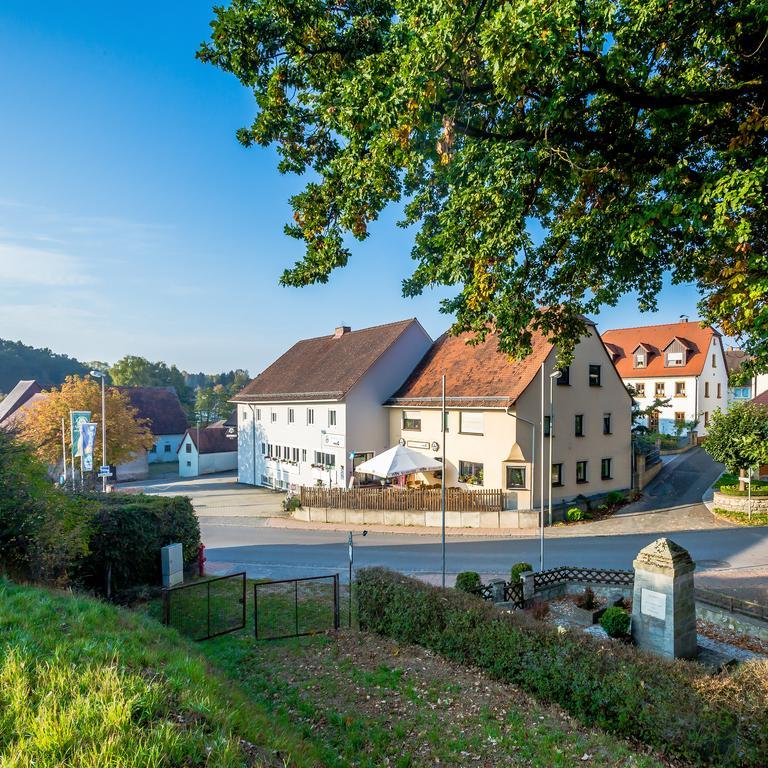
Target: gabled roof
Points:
(477, 376)
(649, 349)
(161, 406)
(323, 368)
(19, 395)
(734, 359)
(213, 439)
(659, 337)
(683, 342)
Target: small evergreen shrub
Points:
(615, 621)
(614, 497)
(574, 515)
(466, 581)
(517, 569)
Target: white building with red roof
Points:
(681, 362)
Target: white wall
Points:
(165, 448)
(686, 404)
(188, 461)
(210, 463)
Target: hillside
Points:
(18, 361)
(87, 685)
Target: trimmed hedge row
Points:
(672, 705)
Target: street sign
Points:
(105, 471)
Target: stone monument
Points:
(663, 605)
(172, 560)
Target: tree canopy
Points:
(126, 433)
(552, 156)
(739, 437)
(136, 371)
(19, 361)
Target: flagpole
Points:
(541, 499)
(64, 451)
(442, 478)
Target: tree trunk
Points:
(742, 475)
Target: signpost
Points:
(351, 552)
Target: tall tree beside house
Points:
(551, 156)
(739, 437)
(126, 434)
(136, 371)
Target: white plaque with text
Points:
(653, 604)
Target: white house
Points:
(316, 412)
(747, 390)
(683, 362)
(208, 450)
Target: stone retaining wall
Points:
(740, 503)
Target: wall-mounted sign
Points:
(418, 444)
(231, 433)
(653, 604)
(401, 441)
(333, 441)
(435, 446)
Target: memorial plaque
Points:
(172, 559)
(654, 604)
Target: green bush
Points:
(733, 490)
(291, 503)
(615, 621)
(516, 570)
(614, 498)
(574, 515)
(743, 518)
(675, 706)
(466, 581)
(128, 532)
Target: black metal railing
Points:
(295, 607)
(568, 573)
(205, 609)
(513, 593)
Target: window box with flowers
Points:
(470, 473)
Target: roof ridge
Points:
(359, 330)
(697, 323)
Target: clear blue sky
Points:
(131, 220)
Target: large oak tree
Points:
(553, 155)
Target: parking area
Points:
(215, 495)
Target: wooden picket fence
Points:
(403, 499)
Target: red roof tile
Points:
(624, 341)
(761, 399)
(323, 368)
(161, 406)
(476, 375)
(213, 439)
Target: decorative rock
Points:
(663, 606)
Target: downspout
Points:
(253, 442)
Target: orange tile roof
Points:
(622, 342)
(476, 376)
(761, 399)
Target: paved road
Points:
(681, 482)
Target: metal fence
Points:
(592, 575)
(205, 609)
(295, 607)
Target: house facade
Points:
(208, 450)
(682, 362)
(316, 412)
(747, 390)
(493, 407)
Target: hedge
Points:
(675, 706)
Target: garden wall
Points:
(740, 503)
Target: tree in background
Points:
(126, 434)
(739, 438)
(212, 404)
(136, 371)
(18, 361)
(551, 156)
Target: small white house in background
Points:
(753, 387)
(683, 362)
(316, 412)
(208, 450)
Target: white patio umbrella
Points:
(398, 461)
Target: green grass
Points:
(742, 518)
(729, 483)
(85, 684)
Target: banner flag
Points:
(76, 418)
(87, 438)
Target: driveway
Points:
(216, 496)
(681, 482)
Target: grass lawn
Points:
(364, 700)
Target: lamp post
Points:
(552, 376)
(102, 375)
(351, 543)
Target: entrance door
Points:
(357, 460)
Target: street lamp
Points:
(101, 375)
(552, 376)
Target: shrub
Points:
(128, 532)
(671, 705)
(586, 600)
(615, 621)
(574, 514)
(758, 489)
(614, 498)
(291, 503)
(516, 570)
(466, 581)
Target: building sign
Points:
(333, 441)
(653, 604)
(231, 433)
(418, 444)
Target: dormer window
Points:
(640, 359)
(675, 359)
(676, 353)
(640, 356)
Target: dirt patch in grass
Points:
(374, 702)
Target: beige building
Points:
(494, 407)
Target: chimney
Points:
(341, 330)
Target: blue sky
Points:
(131, 220)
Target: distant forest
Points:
(18, 361)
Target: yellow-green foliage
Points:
(84, 684)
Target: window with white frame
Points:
(411, 421)
(471, 422)
(675, 359)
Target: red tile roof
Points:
(476, 376)
(622, 342)
(735, 358)
(213, 439)
(161, 406)
(323, 368)
(761, 399)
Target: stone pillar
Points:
(497, 585)
(663, 606)
(528, 588)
